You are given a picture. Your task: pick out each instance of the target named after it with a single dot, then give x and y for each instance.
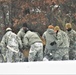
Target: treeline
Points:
(37, 13)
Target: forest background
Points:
(37, 13)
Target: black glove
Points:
(52, 43)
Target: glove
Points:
(52, 43)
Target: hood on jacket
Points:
(50, 31)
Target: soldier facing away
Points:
(50, 44)
(21, 34)
(11, 45)
(33, 43)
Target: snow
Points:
(44, 67)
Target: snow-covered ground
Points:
(45, 67)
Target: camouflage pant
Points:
(36, 52)
(72, 54)
(61, 54)
(21, 57)
(1, 58)
(12, 56)
(48, 53)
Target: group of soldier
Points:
(29, 46)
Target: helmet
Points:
(50, 27)
(68, 25)
(8, 29)
(56, 28)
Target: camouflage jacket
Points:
(72, 37)
(49, 36)
(15, 44)
(62, 39)
(21, 34)
(30, 38)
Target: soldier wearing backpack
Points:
(11, 45)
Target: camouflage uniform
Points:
(1, 57)
(8, 46)
(62, 52)
(72, 40)
(21, 34)
(49, 36)
(33, 42)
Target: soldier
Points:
(62, 52)
(22, 31)
(72, 39)
(50, 44)
(33, 43)
(11, 45)
(21, 34)
(1, 57)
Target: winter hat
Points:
(24, 24)
(50, 27)
(7, 29)
(68, 25)
(56, 28)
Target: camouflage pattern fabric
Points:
(36, 52)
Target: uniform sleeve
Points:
(43, 39)
(19, 34)
(66, 40)
(3, 41)
(43, 36)
(25, 42)
(74, 37)
(59, 40)
(19, 43)
(3, 45)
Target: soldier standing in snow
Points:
(62, 52)
(50, 44)
(21, 34)
(11, 45)
(72, 39)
